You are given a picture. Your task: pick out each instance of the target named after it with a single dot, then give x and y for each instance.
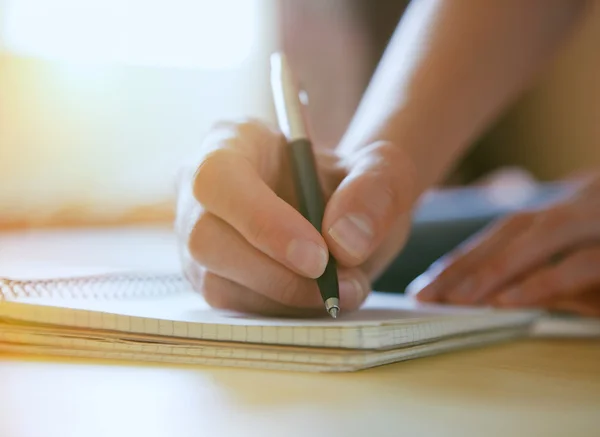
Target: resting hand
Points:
(245, 246)
(546, 259)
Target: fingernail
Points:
(308, 257)
(511, 295)
(351, 292)
(353, 233)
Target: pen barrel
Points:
(309, 194)
(311, 204)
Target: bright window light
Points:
(208, 34)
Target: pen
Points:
(311, 202)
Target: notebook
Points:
(117, 294)
(159, 318)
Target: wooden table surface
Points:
(523, 388)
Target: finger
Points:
(454, 267)
(553, 231)
(574, 274)
(377, 263)
(228, 183)
(224, 294)
(218, 248)
(378, 190)
(587, 304)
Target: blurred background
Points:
(101, 100)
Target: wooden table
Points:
(525, 388)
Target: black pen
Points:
(311, 202)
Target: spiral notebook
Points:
(159, 318)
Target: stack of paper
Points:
(158, 318)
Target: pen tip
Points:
(333, 312)
(332, 305)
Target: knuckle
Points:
(391, 167)
(265, 144)
(395, 160)
(388, 151)
(207, 172)
(260, 230)
(391, 154)
(290, 289)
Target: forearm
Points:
(449, 70)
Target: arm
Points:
(450, 69)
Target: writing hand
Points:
(246, 248)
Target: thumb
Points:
(379, 188)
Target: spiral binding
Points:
(114, 286)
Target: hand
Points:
(545, 259)
(246, 248)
